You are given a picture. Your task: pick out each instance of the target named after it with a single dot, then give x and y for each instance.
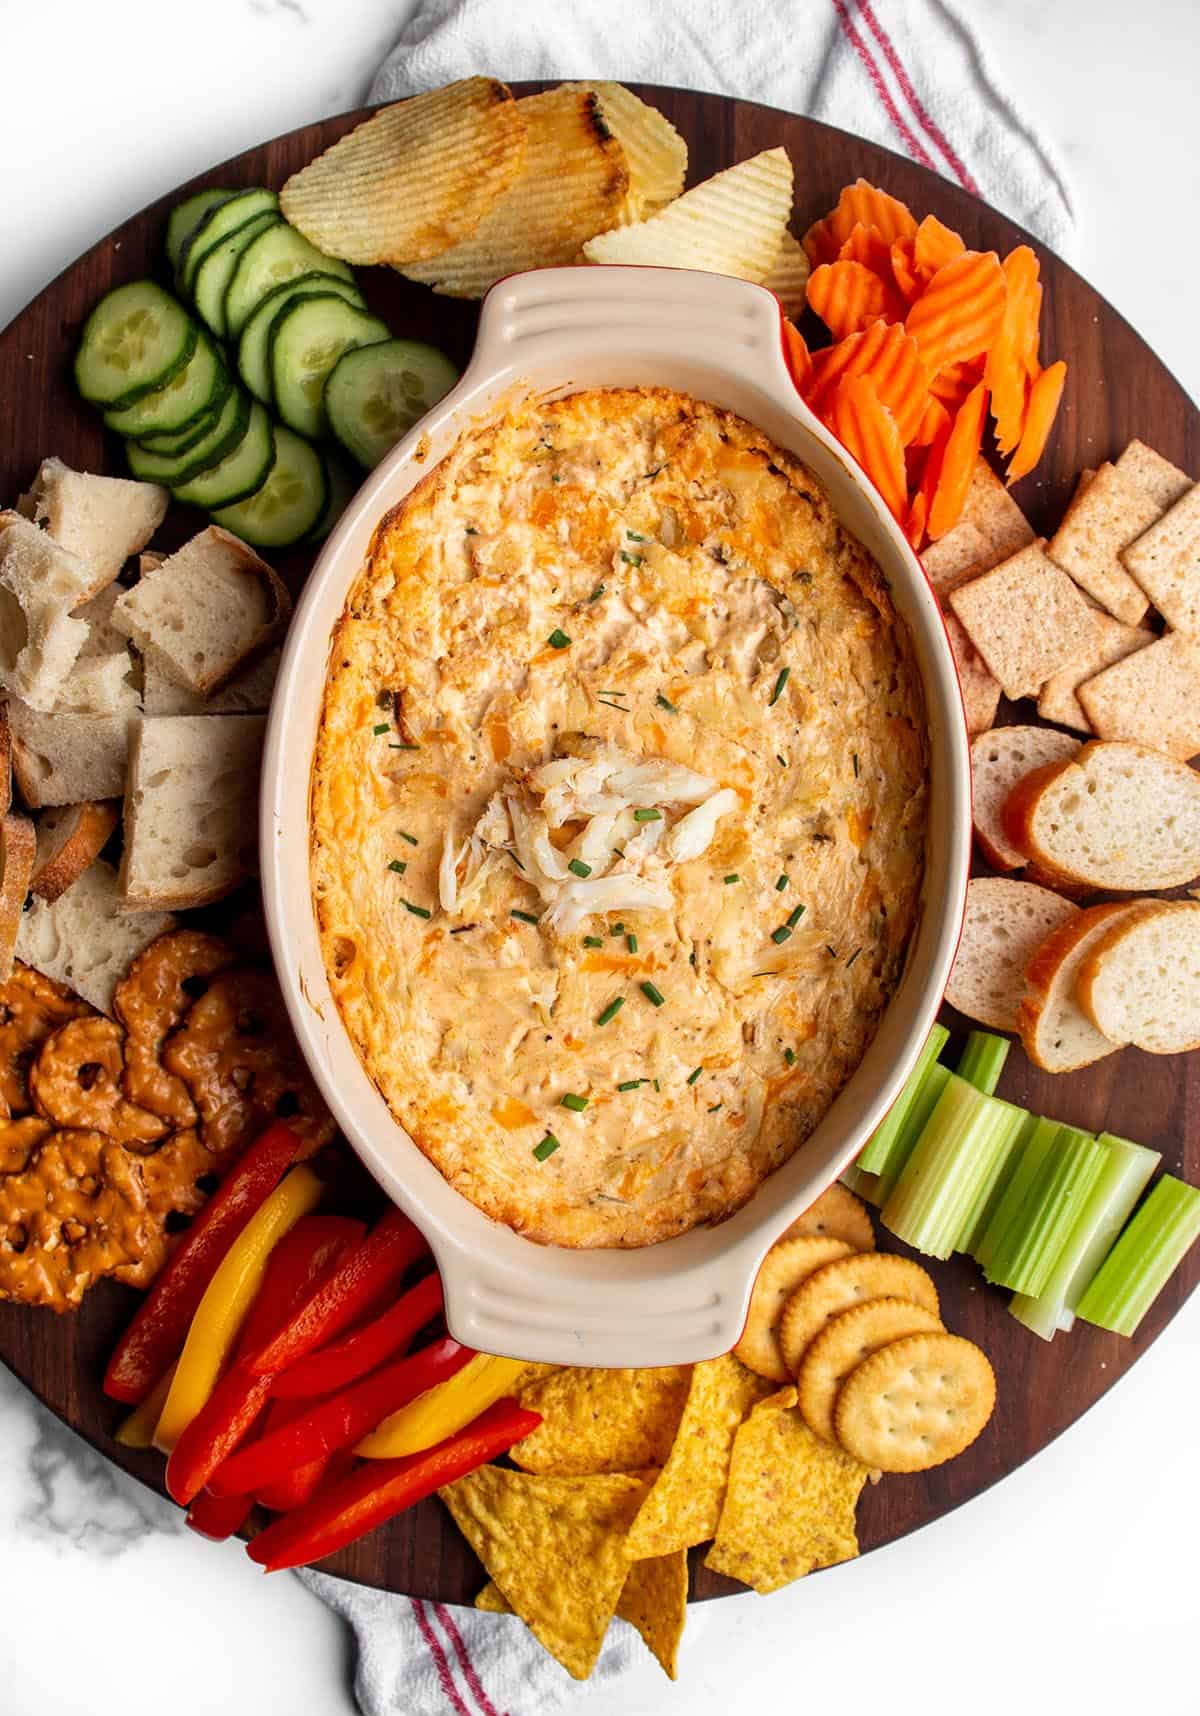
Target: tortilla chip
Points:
(602, 1420)
(556, 1549)
(491, 1600)
(684, 1503)
(790, 1502)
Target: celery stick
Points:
(987, 1199)
(1034, 1151)
(865, 1185)
(875, 1157)
(928, 1097)
(1123, 1179)
(955, 1154)
(983, 1060)
(1144, 1258)
(1028, 1251)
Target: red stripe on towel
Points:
(929, 125)
(468, 1667)
(445, 1678)
(911, 142)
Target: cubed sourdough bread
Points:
(1140, 983)
(17, 843)
(40, 583)
(1000, 759)
(206, 612)
(1114, 641)
(1152, 696)
(190, 809)
(1056, 1033)
(1102, 520)
(68, 840)
(248, 694)
(104, 678)
(65, 759)
(103, 520)
(1027, 620)
(1116, 816)
(1005, 924)
(1165, 560)
(83, 940)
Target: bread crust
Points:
(83, 845)
(18, 842)
(1042, 972)
(1138, 913)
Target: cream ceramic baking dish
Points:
(557, 331)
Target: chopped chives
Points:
(383, 727)
(547, 1147)
(394, 746)
(631, 942)
(785, 674)
(411, 838)
(656, 1084)
(693, 1076)
(525, 917)
(462, 929)
(854, 759)
(781, 760)
(616, 929)
(647, 816)
(853, 957)
(611, 1011)
(398, 865)
(632, 559)
(597, 592)
(631, 1084)
(578, 868)
(831, 950)
(634, 537)
(610, 703)
(794, 916)
(789, 1056)
(558, 639)
(665, 703)
(781, 884)
(575, 1103)
(593, 941)
(732, 877)
(715, 1107)
(780, 935)
(654, 995)
(417, 911)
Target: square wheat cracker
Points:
(1153, 474)
(991, 528)
(980, 687)
(1109, 514)
(1152, 697)
(1027, 620)
(1165, 560)
(1114, 641)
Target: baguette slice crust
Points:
(1056, 1034)
(69, 839)
(205, 612)
(1005, 924)
(1117, 816)
(103, 520)
(83, 940)
(17, 844)
(1140, 984)
(999, 759)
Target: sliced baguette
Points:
(206, 612)
(1055, 1032)
(999, 759)
(17, 844)
(39, 585)
(190, 810)
(103, 520)
(66, 759)
(83, 940)
(70, 838)
(1005, 924)
(1140, 983)
(1116, 816)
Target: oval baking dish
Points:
(554, 332)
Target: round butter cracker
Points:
(837, 1214)
(784, 1268)
(915, 1403)
(840, 1285)
(841, 1347)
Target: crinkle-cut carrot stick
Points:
(885, 353)
(959, 313)
(869, 247)
(859, 203)
(867, 429)
(935, 421)
(1044, 397)
(934, 246)
(848, 297)
(958, 463)
(909, 283)
(797, 356)
(1012, 361)
(914, 523)
(952, 384)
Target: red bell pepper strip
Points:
(293, 1489)
(380, 1261)
(340, 1421)
(218, 1517)
(157, 1333)
(301, 1261)
(363, 1349)
(377, 1491)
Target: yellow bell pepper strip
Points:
(443, 1411)
(227, 1298)
(137, 1430)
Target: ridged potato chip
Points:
(733, 224)
(414, 179)
(788, 275)
(790, 1503)
(602, 1420)
(574, 182)
(655, 153)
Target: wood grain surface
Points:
(1117, 389)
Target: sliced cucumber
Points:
(341, 482)
(253, 355)
(135, 341)
(307, 338)
(288, 504)
(187, 215)
(218, 223)
(376, 393)
(270, 259)
(154, 467)
(187, 396)
(216, 266)
(195, 432)
(240, 473)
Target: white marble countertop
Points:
(1071, 1585)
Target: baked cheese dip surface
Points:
(618, 813)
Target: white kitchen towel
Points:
(909, 74)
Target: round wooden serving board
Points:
(1117, 388)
